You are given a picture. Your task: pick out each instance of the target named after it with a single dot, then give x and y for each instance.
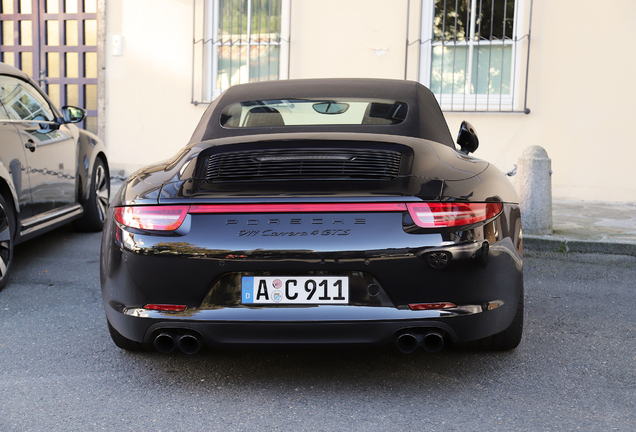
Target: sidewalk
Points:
(588, 227)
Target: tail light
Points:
(166, 307)
(298, 208)
(158, 218)
(451, 214)
(425, 215)
(432, 306)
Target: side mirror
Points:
(73, 114)
(467, 138)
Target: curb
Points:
(563, 244)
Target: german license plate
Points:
(295, 290)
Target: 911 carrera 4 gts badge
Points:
(272, 233)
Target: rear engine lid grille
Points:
(304, 164)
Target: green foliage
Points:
(263, 17)
(494, 20)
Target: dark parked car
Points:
(51, 172)
(316, 212)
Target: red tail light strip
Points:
(425, 215)
(298, 208)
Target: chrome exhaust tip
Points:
(407, 342)
(189, 344)
(433, 342)
(164, 343)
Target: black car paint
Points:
(199, 268)
(202, 260)
(431, 171)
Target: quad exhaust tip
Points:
(431, 341)
(167, 341)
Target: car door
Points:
(50, 148)
(13, 157)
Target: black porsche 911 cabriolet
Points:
(334, 211)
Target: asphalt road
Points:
(59, 370)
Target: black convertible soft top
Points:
(424, 118)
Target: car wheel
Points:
(123, 342)
(98, 198)
(505, 340)
(7, 229)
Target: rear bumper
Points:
(314, 324)
(482, 275)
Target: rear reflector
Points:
(298, 208)
(451, 214)
(159, 218)
(432, 306)
(166, 307)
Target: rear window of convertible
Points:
(313, 112)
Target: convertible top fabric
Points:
(424, 118)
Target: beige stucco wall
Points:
(149, 116)
(335, 38)
(580, 92)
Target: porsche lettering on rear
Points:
(298, 221)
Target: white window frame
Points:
(459, 101)
(206, 55)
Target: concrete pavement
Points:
(588, 227)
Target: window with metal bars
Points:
(236, 42)
(475, 54)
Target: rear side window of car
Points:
(22, 101)
(313, 112)
(3, 113)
